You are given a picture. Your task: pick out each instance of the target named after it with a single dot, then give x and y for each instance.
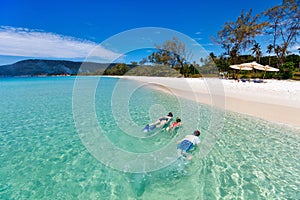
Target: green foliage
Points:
(269, 60)
(286, 71)
(118, 69)
(208, 68)
(172, 53)
(281, 22)
(256, 50)
(286, 74)
(134, 64)
(296, 76)
(295, 59)
(156, 70)
(283, 26)
(245, 59)
(193, 69)
(288, 66)
(238, 35)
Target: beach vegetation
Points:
(296, 76)
(270, 48)
(193, 70)
(174, 54)
(118, 69)
(237, 36)
(284, 27)
(134, 64)
(280, 23)
(286, 71)
(209, 65)
(256, 50)
(153, 70)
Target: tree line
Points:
(280, 24)
(172, 53)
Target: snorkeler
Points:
(174, 125)
(159, 123)
(187, 143)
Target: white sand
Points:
(274, 100)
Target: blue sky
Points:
(70, 29)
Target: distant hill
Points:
(36, 67)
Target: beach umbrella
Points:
(240, 67)
(258, 66)
(251, 64)
(266, 68)
(271, 69)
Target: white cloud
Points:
(210, 44)
(198, 33)
(35, 43)
(296, 47)
(196, 44)
(198, 38)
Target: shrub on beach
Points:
(194, 75)
(286, 71)
(156, 70)
(296, 76)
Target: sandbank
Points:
(274, 100)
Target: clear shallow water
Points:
(42, 156)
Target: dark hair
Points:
(196, 132)
(170, 114)
(178, 120)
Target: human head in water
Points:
(196, 132)
(178, 119)
(170, 114)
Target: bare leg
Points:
(189, 157)
(158, 123)
(162, 123)
(154, 123)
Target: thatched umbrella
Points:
(266, 68)
(240, 67)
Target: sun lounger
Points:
(258, 81)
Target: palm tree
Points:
(299, 49)
(212, 56)
(201, 60)
(257, 51)
(269, 51)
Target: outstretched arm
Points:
(168, 118)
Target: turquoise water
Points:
(43, 156)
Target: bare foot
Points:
(189, 157)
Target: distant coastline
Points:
(43, 68)
(39, 67)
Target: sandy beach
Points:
(275, 100)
